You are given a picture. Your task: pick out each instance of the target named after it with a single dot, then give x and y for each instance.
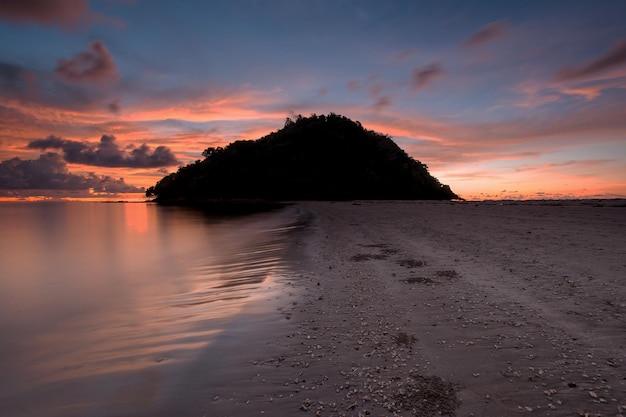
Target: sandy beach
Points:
(433, 308)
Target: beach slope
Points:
(439, 308)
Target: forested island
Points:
(325, 157)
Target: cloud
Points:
(114, 106)
(614, 57)
(107, 153)
(49, 172)
(377, 89)
(9, 73)
(16, 79)
(353, 85)
(404, 55)
(588, 93)
(486, 34)
(356, 85)
(95, 65)
(67, 14)
(25, 89)
(446, 143)
(382, 102)
(422, 76)
(63, 13)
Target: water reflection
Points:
(98, 302)
(136, 217)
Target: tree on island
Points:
(312, 158)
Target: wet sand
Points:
(433, 308)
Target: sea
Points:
(101, 303)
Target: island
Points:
(321, 158)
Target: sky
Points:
(500, 99)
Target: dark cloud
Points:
(377, 89)
(404, 55)
(353, 85)
(49, 172)
(114, 107)
(356, 85)
(422, 76)
(614, 57)
(486, 34)
(9, 73)
(16, 79)
(382, 102)
(67, 14)
(42, 87)
(107, 153)
(64, 13)
(95, 65)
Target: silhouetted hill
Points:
(313, 158)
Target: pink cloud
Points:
(614, 57)
(534, 93)
(583, 167)
(95, 65)
(422, 76)
(356, 85)
(377, 89)
(486, 34)
(67, 14)
(593, 88)
(382, 102)
(444, 143)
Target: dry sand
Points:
(429, 308)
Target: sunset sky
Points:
(501, 99)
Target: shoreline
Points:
(438, 308)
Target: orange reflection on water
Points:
(101, 300)
(136, 217)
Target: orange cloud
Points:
(589, 93)
(242, 104)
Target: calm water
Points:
(99, 302)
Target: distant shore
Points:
(436, 308)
